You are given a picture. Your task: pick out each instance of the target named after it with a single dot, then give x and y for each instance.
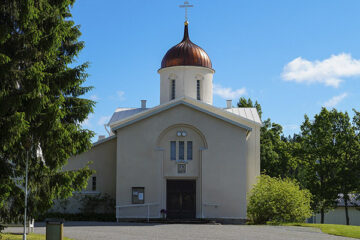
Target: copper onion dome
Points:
(186, 53)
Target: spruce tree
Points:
(41, 108)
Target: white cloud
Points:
(332, 102)
(330, 71)
(104, 120)
(121, 95)
(94, 98)
(87, 123)
(228, 93)
(291, 127)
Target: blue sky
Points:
(292, 56)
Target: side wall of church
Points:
(103, 158)
(224, 170)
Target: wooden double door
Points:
(181, 199)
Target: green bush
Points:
(278, 200)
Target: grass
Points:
(31, 236)
(334, 229)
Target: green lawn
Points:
(334, 229)
(32, 236)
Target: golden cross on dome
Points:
(186, 5)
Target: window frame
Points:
(173, 150)
(172, 89)
(188, 153)
(181, 150)
(93, 183)
(198, 87)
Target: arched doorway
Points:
(182, 145)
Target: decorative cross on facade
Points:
(186, 6)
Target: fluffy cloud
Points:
(332, 102)
(121, 95)
(228, 93)
(94, 98)
(87, 123)
(330, 71)
(104, 120)
(291, 127)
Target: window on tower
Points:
(172, 89)
(198, 89)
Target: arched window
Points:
(172, 89)
(198, 89)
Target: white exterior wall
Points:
(225, 165)
(337, 216)
(185, 83)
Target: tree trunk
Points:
(346, 211)
(322, 215)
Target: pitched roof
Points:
(248, 113)
(235, 116)
(121, 113)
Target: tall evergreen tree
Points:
(275, 150)
(40, 103)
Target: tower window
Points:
(173, 89)
(198, 89)
(173, 150)
(189, 150)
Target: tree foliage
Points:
(330, 158)
(324, 157)
(275, 151)
(41, 104)
(278, 200)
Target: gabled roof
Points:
(236, 117)
(248, 113)
(121, 113)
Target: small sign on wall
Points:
(181, 168)
(138, 196)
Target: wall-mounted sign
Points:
(138, 195)
(181, 168)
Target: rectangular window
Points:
(181, 150)
(93, 183)
(172, 89)
(198, 89)
(173, 150)
(189, 150)
(138, 195)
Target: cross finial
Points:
(186, 5)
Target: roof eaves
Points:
(103, 140)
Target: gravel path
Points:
(127, 231)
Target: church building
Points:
(182, 159)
